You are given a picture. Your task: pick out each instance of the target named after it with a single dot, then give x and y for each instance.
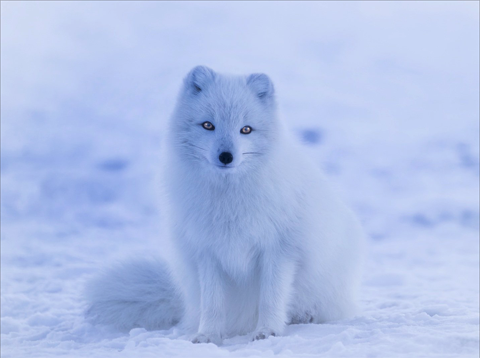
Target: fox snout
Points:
(225, 157)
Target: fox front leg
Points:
(276, 277)
(212, 303)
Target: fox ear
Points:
(198, 78)
(261, 85)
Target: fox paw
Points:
(302, 319)
(203, 338)
(263, 333)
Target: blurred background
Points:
(383, 95)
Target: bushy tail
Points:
(135, 294)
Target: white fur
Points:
(137, 293)
(262, 243)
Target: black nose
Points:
(225, 157)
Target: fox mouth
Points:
(225, 166)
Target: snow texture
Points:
(384, 96)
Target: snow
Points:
(384, 95)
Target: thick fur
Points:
(134, 294)
(261, 242)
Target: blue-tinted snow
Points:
(384, 95)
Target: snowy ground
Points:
(385, 97)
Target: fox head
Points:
(224, 123)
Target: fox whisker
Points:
(193, 145)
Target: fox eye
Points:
(246, 130)
(208, 126)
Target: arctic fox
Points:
(262, 241)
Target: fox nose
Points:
(225, 157)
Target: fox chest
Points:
(234, 232)
(233, 218)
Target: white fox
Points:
(262, 241)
